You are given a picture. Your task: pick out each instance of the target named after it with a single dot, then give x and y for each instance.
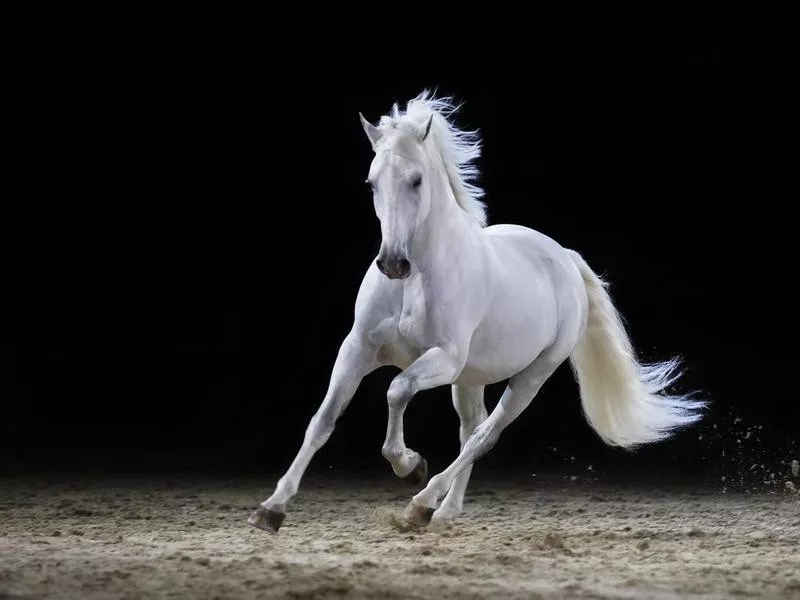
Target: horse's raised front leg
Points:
(518, 395)
(469, 404)
(355, 360)
(434, 368)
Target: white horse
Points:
(451, 301)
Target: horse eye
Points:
(416, 182)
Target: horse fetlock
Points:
(436, 488)
(286, 488)
(446, 512)
(391, 452)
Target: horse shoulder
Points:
(376, 307)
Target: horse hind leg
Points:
(519, 393)
(469, 404)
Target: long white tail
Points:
(623, 400)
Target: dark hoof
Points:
(418, 515)
(419, 475)
(268, 520)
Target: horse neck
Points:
(447, 234)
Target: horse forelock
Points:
(457, 148)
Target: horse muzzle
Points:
(394, 267)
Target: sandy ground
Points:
(189, 539)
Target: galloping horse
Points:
(452, 301)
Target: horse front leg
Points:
(434, 368)
(355, 360)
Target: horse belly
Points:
(518, 327)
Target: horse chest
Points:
(412, 318)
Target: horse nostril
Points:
(394, 267)
(403, 267)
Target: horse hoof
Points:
(418, 515)
(445, 514)
(419, 475)
(266, 519)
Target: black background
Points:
(186, 227)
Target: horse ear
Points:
(373, 133)
(427, 129)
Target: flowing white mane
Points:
(457, 148)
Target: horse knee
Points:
(399, 392)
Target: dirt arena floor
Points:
(143, 539)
